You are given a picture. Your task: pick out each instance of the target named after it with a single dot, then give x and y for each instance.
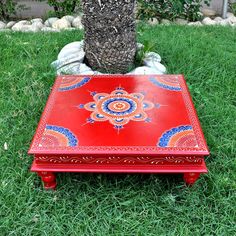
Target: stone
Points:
(197, 23)
(208, 21)
(152, 56)
(218, 19)
(71, 48)
(69, 18)
(145, 70)
(232, 20)
(38, 24)
(50, 21)
(36, 20)
(77, 23)
(229, 15)
(70, 54)
(76, 68)
(19, 25)
(152, 60)
(2, 25)
(180, 21)
(29, 28)
(208, 12)
(153, 21)
(225, 22)
(24, 22)
(10, 24)
(61, 24)
(140, 46)
(49, 29)
(165, 22)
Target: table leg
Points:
(49, 179)
(190, 178)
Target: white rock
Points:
(69, 18)
(77, 23)
(70, 54)
(229, 15)
(72, 48)
(36, 20)
(153, 61)
(140, 46)
(50, 21)
(19, 25)
(208, 12)
(24, 22)
(58, 64)
(218, 19)
(208, 21)
(197, 23)
(61, 24)
(225, 22)
(165, 22)
(29, 28)
(145, 70)
(180, 21)
(153, 21)
(49, 29)
(152, 56)
(2, 25)
(76, 69)
(38, 24)
(232, 20)
(10, 24)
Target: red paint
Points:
(163, 104)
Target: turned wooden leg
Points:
(190, 178)
(49, 179)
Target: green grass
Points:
(91, 204)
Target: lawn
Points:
(92, 204)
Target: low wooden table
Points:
(119, 124)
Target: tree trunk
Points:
(110, 37)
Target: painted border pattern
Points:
(119, 160)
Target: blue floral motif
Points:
(163, 85)
(76, 85)
(132, 106)
(165, 138)
(66, 132)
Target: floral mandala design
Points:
(118, 108)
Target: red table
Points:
(119, 124)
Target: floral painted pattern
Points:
(181, 136)
(169, 83)
(69, 83)
(119, 107)
(57, 136)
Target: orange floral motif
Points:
(119, 107)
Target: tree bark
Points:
(110, 36)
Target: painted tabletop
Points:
(102, 114)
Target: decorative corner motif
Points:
(56, 136)
(69, 83)
(119, 107)
(169, 83)
(181, 136)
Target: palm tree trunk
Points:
(110, 37)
